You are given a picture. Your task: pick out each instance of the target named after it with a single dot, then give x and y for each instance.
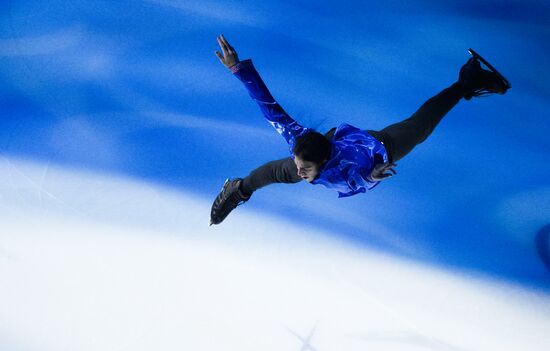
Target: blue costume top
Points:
(354, 152)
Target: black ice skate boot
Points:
(227, 200)
(476, 81)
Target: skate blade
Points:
(477, 56)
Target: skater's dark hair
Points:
(312, 147)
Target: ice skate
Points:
(477, 81)
(227, 200)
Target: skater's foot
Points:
(227, 200)
(476, 81)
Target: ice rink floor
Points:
(87, 264)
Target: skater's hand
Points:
(229, 57)
(378, 173)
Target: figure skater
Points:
(347, 159)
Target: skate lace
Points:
(231, 200)
(238, 199)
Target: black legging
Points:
(399, 139)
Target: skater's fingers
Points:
(220, 43)
(220, 56)
(229, 47)
(225, 40)
(223, 46)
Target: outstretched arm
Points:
(273, 112)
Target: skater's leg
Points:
(279, 171)
(401, 138)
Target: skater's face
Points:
(306, 170)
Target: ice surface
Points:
(156, 276)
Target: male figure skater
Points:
(346, 159)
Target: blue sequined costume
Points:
(354, 151)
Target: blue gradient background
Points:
(134, 88)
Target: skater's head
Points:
(311, 151)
